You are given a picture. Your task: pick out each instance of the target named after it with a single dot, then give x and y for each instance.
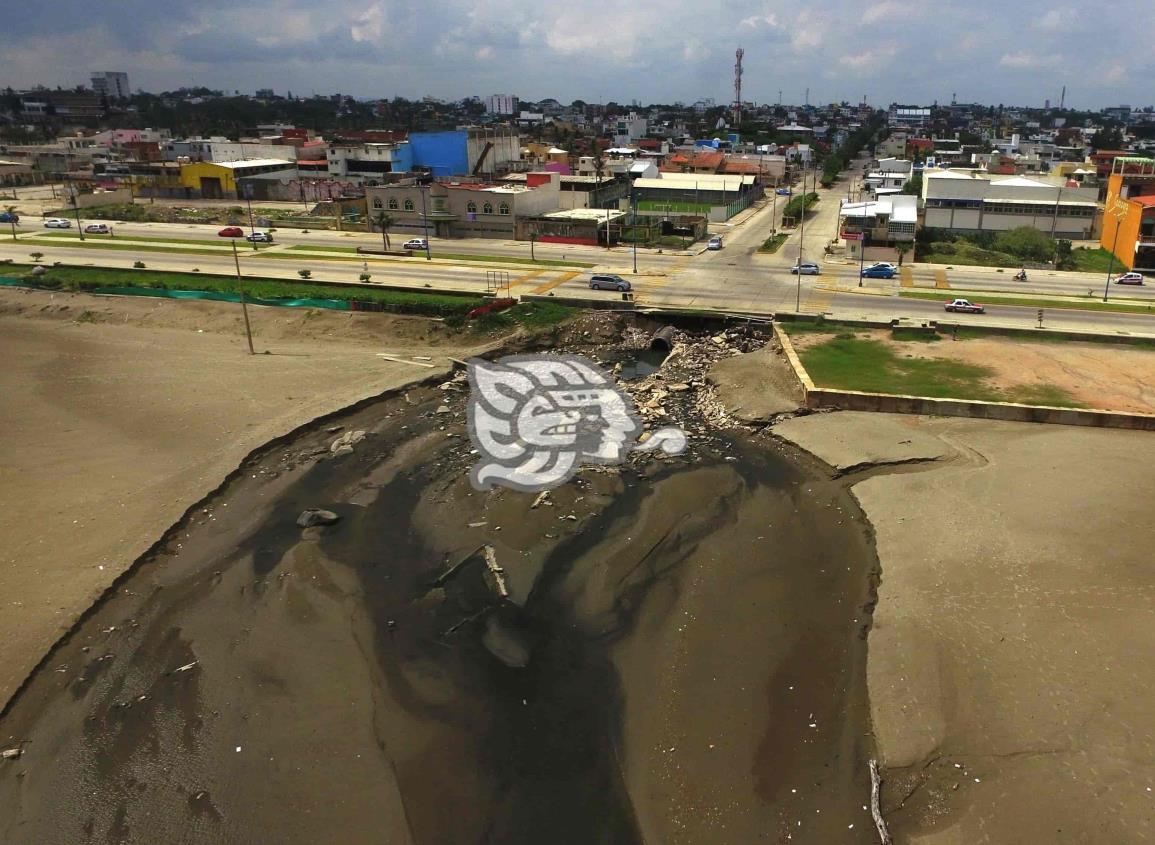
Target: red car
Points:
(231, 232)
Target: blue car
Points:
(878, 273)
(783, 192)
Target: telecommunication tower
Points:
(738, 85)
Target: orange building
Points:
(1129, 216)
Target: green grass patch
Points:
(809, 327)
(1095, 261)
(961, 252)
(772, 243)
(529, 315)
(1075, 304)
(92, 278)
(138, 238)
(124, 247)
(850, 363)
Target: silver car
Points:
(807, 268)
(608, 281)
(57, 223)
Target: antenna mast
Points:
(738, 86)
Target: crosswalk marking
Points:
(561, 280)
(906, 277)
(940, 281)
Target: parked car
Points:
(231, 232)
(57, 223)
(877, 264)
(260, 238)
(1129, 279)
(965, 306)
(415, 243)
(878, 272)
(783, 192)
(608, 281)
(807, 268)
(97, 229)
(714, 243)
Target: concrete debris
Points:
(349, 438)
(496, 573)
(316, 516)
(542, 499)
(186, 667)
(11, 753)
(443, 409)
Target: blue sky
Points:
(887, 50)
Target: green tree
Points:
(1064, 260)
(384, 222)
(913, 186)
(1026, 243)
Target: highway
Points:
(735, 279)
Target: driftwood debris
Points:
(496, 572)
(875, 804)
(398, 360)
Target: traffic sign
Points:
(852, 236)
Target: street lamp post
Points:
(801, 236)
(634, 230)
(532, 238)
(425, 223)
(248, 191)
(244, 304)
(861, 240)
(1111, 262)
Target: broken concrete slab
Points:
(756, 386)
(853, 439)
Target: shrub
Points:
(36, 256)
(305, 274)
(139, 265)
(1026, 243)
(365, 277)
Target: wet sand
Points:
(695, 672)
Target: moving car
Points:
(878, 264)
(608, 281)
(57, 223)
(714, 243)
(260, 238)
(783, 192)
(807, 268)
(965, 306)
(231, 232)
(1129, 279)
(878, 272)
(415, 243)
(97, 229)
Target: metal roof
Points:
(252, 162)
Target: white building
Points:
(972, 201)
(367, 162)
(890, 219)
(501, 104)
(112, 84)
(629, 129)
(220, 149)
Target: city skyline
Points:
(887, 50)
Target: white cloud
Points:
(758, 21)
(887, 10)
(694, 50)
(1057, 19)
(1028, 61)
(370, 25)
(871, 59)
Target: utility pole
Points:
(801, 236)
(244, 305)
(425, 221)
(738, 86)
(248, 191)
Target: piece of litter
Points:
(238, 749)
(11, 753)
(186, 667)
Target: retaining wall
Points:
(855, 400)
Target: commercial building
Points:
(464, 209)
(968, 202)
(218, 179)
(219, 149)
(112, 84)
(714, 196)
(368, 162)
(889, 220)
(477, 151)
(501, 104)
(1129, 219)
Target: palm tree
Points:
(13, 218)
(384, 223)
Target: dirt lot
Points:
(1010, 668)
(1097, 375)
(118, 414)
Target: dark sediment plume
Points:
(678, 658)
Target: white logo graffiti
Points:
(535, 419)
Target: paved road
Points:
(735, 279)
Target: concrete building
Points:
(584, 191)
(1129, 219)
(218, 180)
(968, 202)
(219, 149)
(714, 196)
(465, 209)
(112, 84)
(501, 104)
(15, 173)
(476, 151)
(889, 220)
(628, 129)
(908, 117)
(368, 162)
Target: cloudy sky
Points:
(887, 50)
